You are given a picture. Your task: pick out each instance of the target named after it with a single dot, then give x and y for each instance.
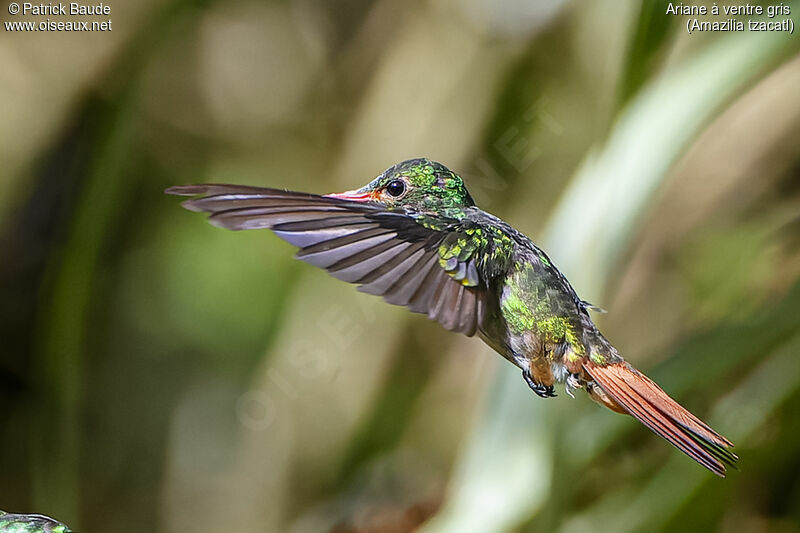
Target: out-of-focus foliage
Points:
(160, 374)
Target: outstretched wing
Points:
(434, 266)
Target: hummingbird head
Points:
(418, 185)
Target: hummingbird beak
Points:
(359, 195)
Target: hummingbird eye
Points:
(396, 188)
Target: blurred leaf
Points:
(651, 32)
(723, 268)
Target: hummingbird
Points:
(30, 523)
(414, 236)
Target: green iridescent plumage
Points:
(433, 188)
(30, 523)
(414, 236)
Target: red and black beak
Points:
(359, 195)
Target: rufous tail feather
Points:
(640, 396)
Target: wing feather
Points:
(406, 286)
(388, 253)
(355, 270)
(383, 278)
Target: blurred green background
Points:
(160, 374)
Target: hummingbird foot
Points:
(573, 382)
(542, 390)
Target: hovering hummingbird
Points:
(414, 236)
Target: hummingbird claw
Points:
(573, 382)
(543, 391)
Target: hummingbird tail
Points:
(629, 391)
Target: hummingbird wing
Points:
(433, 266)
